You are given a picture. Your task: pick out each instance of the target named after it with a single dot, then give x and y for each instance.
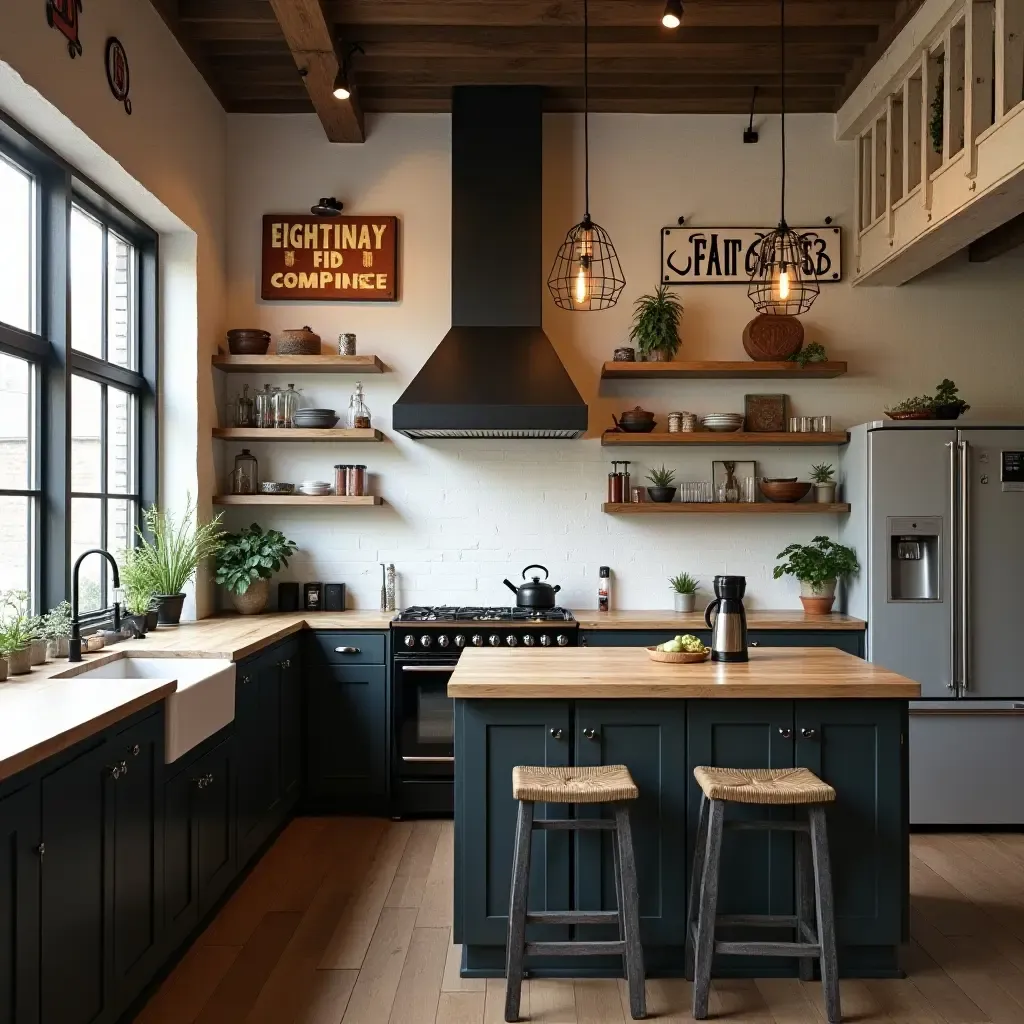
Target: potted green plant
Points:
(174, 554)
(684, 588)
(663, 487)
(136, 572)
(18, 632)
(948, 404)
(818, 566)
(812, 353)
(824, 485)
(655, 330)
(920, 407)
(245, 563)
(57, 630)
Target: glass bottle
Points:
(264, 408)
(358, 414)
(285, 403)
(243, 409)
(245, 478)
(357, 480)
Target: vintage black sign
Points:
(697, 255)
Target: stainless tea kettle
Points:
(536, 593)
(729, 630)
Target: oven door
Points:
(424, 719)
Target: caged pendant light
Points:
(586, 273)
(783, 280)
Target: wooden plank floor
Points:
(348, 921)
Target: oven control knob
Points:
(477, 640)
(561, 640)
(460, 640)
(410, 641)
(442, 641)
(511, 640)
(545, 641)
(494, 639)
(528, 640)
(426, 641)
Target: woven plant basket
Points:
(301, 342)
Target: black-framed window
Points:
(78, 365)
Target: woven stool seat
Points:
(763, 785)
(608, 784)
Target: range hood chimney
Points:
(495, 373)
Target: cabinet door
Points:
(181, 883)
(256, 751)
(636, 637)
(757, 867)
(135, 860)
(72, 967)
(849, 640)
(857, 747)
(214, 788)
(497, 736)
(648, 737)
(290, 716)
(19, 907)
(347, 732)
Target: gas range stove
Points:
(447, 630)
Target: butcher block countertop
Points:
(682, 622)
(575, 673)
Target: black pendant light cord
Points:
(782, 95)
(586, 110)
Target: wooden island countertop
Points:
(574, 673)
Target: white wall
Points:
(166, 163)
(461, 515)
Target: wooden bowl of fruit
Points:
(681, 650)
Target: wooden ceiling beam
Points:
(168, 11)
(312, 43)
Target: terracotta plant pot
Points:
(19, 662)
(168, 608)
(684, 602)
(37, 652)
(254, 600)
(817, 600)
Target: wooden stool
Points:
(786, 786)
(612, 785)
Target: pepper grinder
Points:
(383, 588)
(390, 587)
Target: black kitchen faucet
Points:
(75, 643)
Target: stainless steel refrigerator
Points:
(937, 521)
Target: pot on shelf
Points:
(255, 598)
(825, 494)
(19, 662)
(152, 619)
(817, 600)
(662, 494)
(302, 341)
(136, 623)
(57, 647)
(684, 602)
(536, 593)
(635, 421)
(168, 608)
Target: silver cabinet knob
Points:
(561, 640)
(494, 639)
(442, 641)
(528, 640)
(808, 734)
(426, 641)
(591, 734)
(556, 734)
(755, 643)
(477, 640)
(134, 750)
(545, 641)
(41, 849)
(346, 650)
(786, 734)
(460, 640)
(410, 641)
(511, 640)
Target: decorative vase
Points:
(152, 618)
(658, 355)
(825, 494)
(19, 662)
(57, 647)
(662, 494)
(684, 602)
(817, 600)
(255, 598)
(37, 652)
(168, 608)
(3, 669)
(773, 337)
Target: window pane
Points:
(15, 420)
(121, 420)
(86, 283)
(17, 246)
(120, 525)
(86, 417)
(121, 346)
(86, 532)
(15, 542)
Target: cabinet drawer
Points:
(351, 648)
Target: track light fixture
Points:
(327, 207)
(673, 16)
(342, 89)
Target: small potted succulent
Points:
(663, 486)
(655, 330)
(684, 588)
(18, 632)
(818, 566)
(139, 589)
(948, 404)
(245, 563)
(57, 630)
(824, 485)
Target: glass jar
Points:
(246, 476)
(341, 480)
(264, 408)
(285, 403)
(358, 414)
(357, 480)
(244, 409)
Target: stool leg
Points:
(826, 920)
(804, 899)
(630, 913)
(517, 911)
(617, 876)
(704, 950)
(696, 871)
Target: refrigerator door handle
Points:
(952, 570)
(964, 452)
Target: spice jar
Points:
(688, 422)
(245, 478)
(341, 479)
(346, 344)
(358, 414)
(357, 480)
(675, 422)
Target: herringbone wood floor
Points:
(348, 921)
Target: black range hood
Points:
(495, 373)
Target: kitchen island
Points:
(819, 708)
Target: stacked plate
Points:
(315, 418)
(314, 487)
(273, 487)
(723, 422)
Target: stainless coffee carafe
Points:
(729, 629)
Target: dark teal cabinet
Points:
(19, 906)
(499, 735)
(849, 640)
(291, 703)
(649, 738)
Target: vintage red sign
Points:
(330, 259)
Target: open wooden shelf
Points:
(297, 499)
(616, 439)
(744, 369)
(298, 364)
(712, 508)
(297, 434)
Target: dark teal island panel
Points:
(849, 640)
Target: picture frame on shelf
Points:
(728, 478)
(765, 414)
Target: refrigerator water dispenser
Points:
(914, 558)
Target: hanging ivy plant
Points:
(938, 108)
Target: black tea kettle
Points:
(536, 593)
(729, 630)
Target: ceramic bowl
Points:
(784, 490)
(248, 341)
